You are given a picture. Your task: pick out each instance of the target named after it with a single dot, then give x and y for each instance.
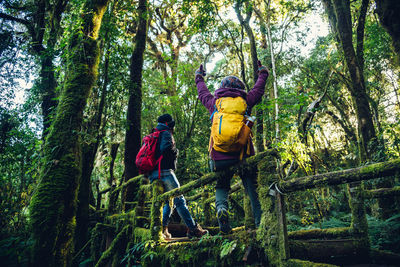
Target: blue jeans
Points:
(171, 182)
(223, 186)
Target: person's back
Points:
(220, 160)
(166, 146)
(167, 153)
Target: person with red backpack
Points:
(166, 154)
(230, 109)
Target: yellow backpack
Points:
(227, 123)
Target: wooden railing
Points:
(272, 233)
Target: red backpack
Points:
(146, 158)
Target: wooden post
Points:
(270, 232)
(282, 226)
(141, 199)
(156, 206)
(359, 224)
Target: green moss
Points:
(382, 168)
(321, 233)
(53, 206)
(268, 232)
(97, 235)
(141, 234)
(206, 208)
(208, 251)
(156, 207)
(359, 224)
(146, 188)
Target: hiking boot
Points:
(165, 233)
(223, 221)
(197, 231)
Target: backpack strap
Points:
(161, 156)
(215, 110)
(159, 166)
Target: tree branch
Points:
(11, 18)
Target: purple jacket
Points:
(252, 98)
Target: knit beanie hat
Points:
(232, 82)
(166, 119)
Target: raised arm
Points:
(255, 94)
(206, 98)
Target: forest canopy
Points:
(82, 82)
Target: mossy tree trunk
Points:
(89, 151)
(53, 206)
(355, 63)
(341, 24)
(134, 113)
(388, 12)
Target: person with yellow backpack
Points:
(230, 141)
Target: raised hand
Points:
(261, 68)
(200, 71)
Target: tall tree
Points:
(53, 206)
(94, 132)
(340, 19)
(134, 113)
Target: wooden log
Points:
(132, 180)
(194, 197)
(211, 177)
(206, 179)
(331, 233)
(372, 171)
(382, 192)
